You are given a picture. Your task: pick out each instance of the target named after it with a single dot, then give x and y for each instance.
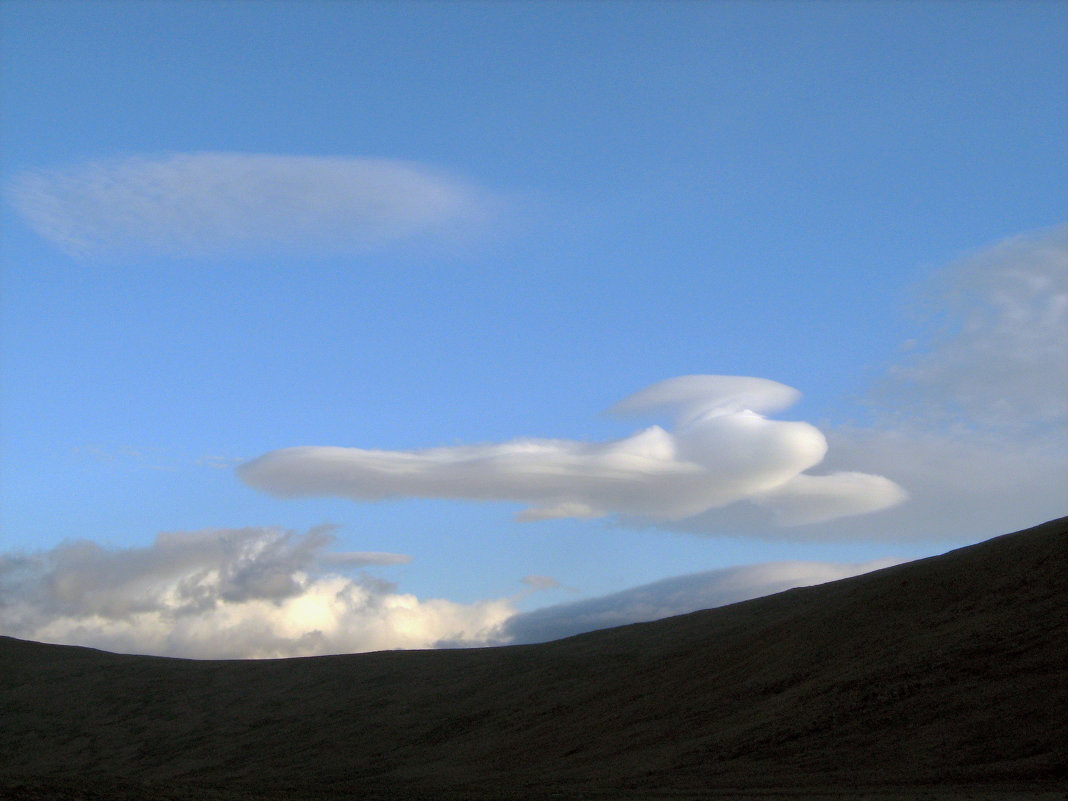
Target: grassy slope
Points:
(947, 670)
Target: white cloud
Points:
(266, 593)
(722, 450)
(227, 593)
(999, 357)
(819, 499)
(962, 484)
(975, 421)
(972, 422)
(212, 204)
(673, 596)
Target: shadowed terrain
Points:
(941, 678)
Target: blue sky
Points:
(436, 241)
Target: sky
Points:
(346, 326)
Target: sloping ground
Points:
(946, 672)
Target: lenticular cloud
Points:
(213, 204)
(722, 450)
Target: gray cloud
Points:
(722, 450)
(536, 582)
(216, 204)
(199, 569)
(363, 558)
(673, 596)
(265, 592)
(227, 593)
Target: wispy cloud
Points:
(973, 419)
(997, 356)
(213, 204)
(265, 592)
(722, 450)
(674, 596)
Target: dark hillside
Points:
(949, 672)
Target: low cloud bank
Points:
(722, 450)
(674, 596)
(220, 204)
(227, 593)
(265, 592)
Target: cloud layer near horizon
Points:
(675, 596)
(722, 450)
(219, 204)
(265, 593)
(226, 593)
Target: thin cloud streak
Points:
(723, 450)
(223, 204)
(674, 596)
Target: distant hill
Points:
(946, 676)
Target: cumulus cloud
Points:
(211, 204)
(227, 593)
(674, 596)
(722, 450)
